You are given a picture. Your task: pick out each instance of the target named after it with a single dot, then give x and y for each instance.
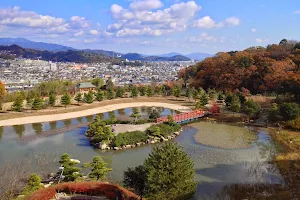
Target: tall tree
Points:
(52, 99)
(170, 173)
(120, 92)
(100, 95)
(70, 171)
(37, 104)
(99, 169)
(65, 100)
(98, 82)
(78, 97)
(135, 178)
(110, 94)
(135, 92)
(33, 184)
(2, 94)
(150, 91)
(18, 104)
(88, 97)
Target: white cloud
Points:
(80, 33)
(141, 20)
(206, 22)
(15, 17)
(253, 30)
(90, 40)
(233, 21)
(203, 37)
(78, 22)
(146, 4)
(106, 33)
(146, 42)
(260, 40)
(94, 32)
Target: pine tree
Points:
(33, 184)
(142, 90)
(188, 93)
(100, 95)
(170, 173)
(203, 99)
(65, 100)
(37, 104)
(99, 169)
(110, 94)
(70, 171)
(52, 99)
(150, 91)
(120, 92)
(89, 97)
(18, 104)
(135, 92)
(235, 104)
(78, 97)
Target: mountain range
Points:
(55, 48)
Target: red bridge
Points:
(184, 117)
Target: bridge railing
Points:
(183, 116)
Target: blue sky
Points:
(152, 26)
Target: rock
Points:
(176, 133)
(138, 144)
(163, 139)
(21, 196)
(152, 142)
(143, 143)
(148, 141)
(75, 160)
(127, 146)
(107, 148)
(117, 148)
(103, 145)
(132, 146)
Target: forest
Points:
(261, 70)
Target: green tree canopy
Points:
(120, 92)
(18, 104)
(289, 111)
(78, 97)
(65, 100)
(135, 91)
(33, 184)
(110, 94)
(88, 97)
(99, 169)
(170, 173)
(70, 171)
(37, 104)
(251, 108)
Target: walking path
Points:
(92, 111)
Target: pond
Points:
(214, 167)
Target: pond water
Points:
(214, 167)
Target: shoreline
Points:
(87, 112)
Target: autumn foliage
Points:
(275, 68)
(111, 191)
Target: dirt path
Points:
(92, 111)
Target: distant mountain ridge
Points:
(173, 56)
(194, 56)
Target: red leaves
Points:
(111, 191)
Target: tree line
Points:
(275, 68)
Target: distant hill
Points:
(198, 56)
(136, 56)
(61, 56)
(194, 56)
(173, 56)
(33, 45)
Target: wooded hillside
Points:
(275, 68)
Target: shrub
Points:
(294, 124)
(289, 111)
(251, 108)
(130, 138)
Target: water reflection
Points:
(52, 125)
(101, 115)
(38, 128)
(67, 122)
(79, 120)
(89, 118)
(1, 131)
(121, 112)
(19, 130)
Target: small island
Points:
(103, 133)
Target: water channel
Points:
(214, 167)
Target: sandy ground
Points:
(92, 111)
(121, 128)
(223, 135)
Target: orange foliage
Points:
(111, 191)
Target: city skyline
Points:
(152, 26)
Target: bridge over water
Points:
(184, 117)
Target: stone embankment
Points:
(151, 140)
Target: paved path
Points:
(92, 111)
